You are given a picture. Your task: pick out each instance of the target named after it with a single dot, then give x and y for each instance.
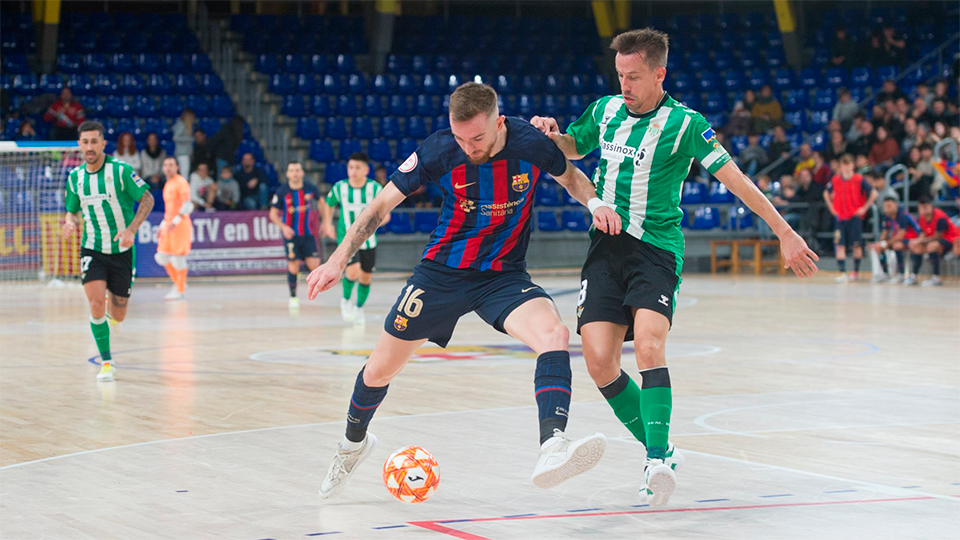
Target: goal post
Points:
(33, 177)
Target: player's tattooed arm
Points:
(367, 222)
(146, 205)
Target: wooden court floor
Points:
(805, 410)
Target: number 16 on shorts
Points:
(410, 305)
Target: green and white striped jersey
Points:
(644, 160)
(352, 201)
(106, 199)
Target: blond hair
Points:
(471, 99)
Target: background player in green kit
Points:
(104, 190)
(352, 196)
(629, 282)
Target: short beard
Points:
(95, 159)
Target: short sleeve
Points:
(275, 201)
(133, 184)
(415, 171)
(333, 197)
(548, 156)
(700, 141)
(830, 186)
(71, 199)
(866, 187)
(942, 225)
(586, 130)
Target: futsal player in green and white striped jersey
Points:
(629, 282)
(104, 190)
(351, 196)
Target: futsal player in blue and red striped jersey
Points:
(487, 166)
(291, 210)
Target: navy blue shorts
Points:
(301, 248)
(436, 296)
(849, 233)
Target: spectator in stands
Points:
(873, 54)
(883, 151)
(805, 160)
(151, 162)
(909, 135)
(837, 146)
(889, 91)
(845, 109)
(780, 148)
(822, 172)
(228, 190)
(841, 49)
(861, 145)
(753, 157)
(25, 131)
(766, 111)
(939, 132)
(894, 46)
(254, 187)
(65, 114)
(923, 92)
(203, 189)
(921, 170)
(921, 111)
(127, 151)
(861, 164)
(183, 138)
(854, 132)
(939, 113)
(879, 183)
(202, 153)
(940, 91)
(380, 175)
(225, 142)
(740, 120)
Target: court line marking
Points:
(438, 525)
(879, 488)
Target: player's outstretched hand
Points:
(797, 256)
(607, 220)
(323, 278)
(125, 237)
(69, 228)
(547, 125)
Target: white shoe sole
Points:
(662, 482)
(584, 457)
(105, 378)
(335, 491)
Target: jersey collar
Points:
(651, 112)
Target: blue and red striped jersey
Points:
(486, 212)
(903, 222)
(295, 206)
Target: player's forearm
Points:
(756, 201)
(72, 217)
(275, 217)
(146, 205)
(577, 184)
(362, 229)
(568, 146)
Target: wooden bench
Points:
(735, 262)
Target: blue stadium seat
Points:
(738, 143)
(383, 84)
(129, 125)
(390, 127)
(199, 104)
(706, 218)
(171, 106)
(51, 83)
(345, 64)
(200, 63)
(756, 78)
(362, 128)
(348, 147)
(373, 105)
(309, 129)
(132, 85)
(400, 223)
(818, 120)
(347, 106)
(319, 63)
(860, 77)
(211, 83)
(529, 84)
(117, 107)
(698, 61)
(66, 63)
(161, 43)
(135, 43)
(357, 83)
(293, 63)
(425, 221)
(441, 122)
(432, 84)
(795, 100)
(452, 82)
(408, 84)
(405, 147)
(885, 73)
(122, 63)
(335, 127)
(818, 142)
(552, 105)
(27, 84)
(835, 78)
(732, 81)
(397, 63)
(149, 63)
(209, 125)
(281, 85)
(823, 100)
(159, 84)
(293, 106)
(266, 64)
(320, 106)
(425, 106)
(399, 106)
(548, 194)
(185, 83)
(306, 84)
(174, 63)
(107, 85)
(719, 194)
(96, 63)
(417, 127)
(693, 193)
(723, 61)
(821, 56)
(784, 79)
(321, 151)
(332, 84)
(810, 78)
(751, 60)
(708, 82)
(547, 221)
(739, 218)
(683, 82)
(379, 150)
(715, 103)
(796, 120)
(575, 220)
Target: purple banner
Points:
(224, 244)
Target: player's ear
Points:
(661, 74)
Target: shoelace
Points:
(339, 466)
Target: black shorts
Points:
(118, 269)
(622, 273)
(436, 296)
(946, 245)
(849, 233)
(301, 248)
(367, 259)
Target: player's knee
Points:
(376, 376)
(98, 307)
(162, 258)
(365, 278)
(651, 351)
(602, 367)
(556, 338)
(178, 261)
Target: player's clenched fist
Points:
(323, 278)
(545, 124)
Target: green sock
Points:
(347, 288)
(656, 403)
(623, 396)
(362, 292)
(101, 334)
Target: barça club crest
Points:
(521, 182)
(400, 323)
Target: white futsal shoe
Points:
(842, 278)
(174, 295)
(107, 373)
(294, 303)
(561, 458)
(934, 281)
(659, 482)
(343, 465)
(673, 460)
(910, 280)
(347, 310)
(358, 317)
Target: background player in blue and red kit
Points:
(849, 197)
(899, 227)
(487, 166)
(291, 210)
(938, 235)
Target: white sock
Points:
(349, 445)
